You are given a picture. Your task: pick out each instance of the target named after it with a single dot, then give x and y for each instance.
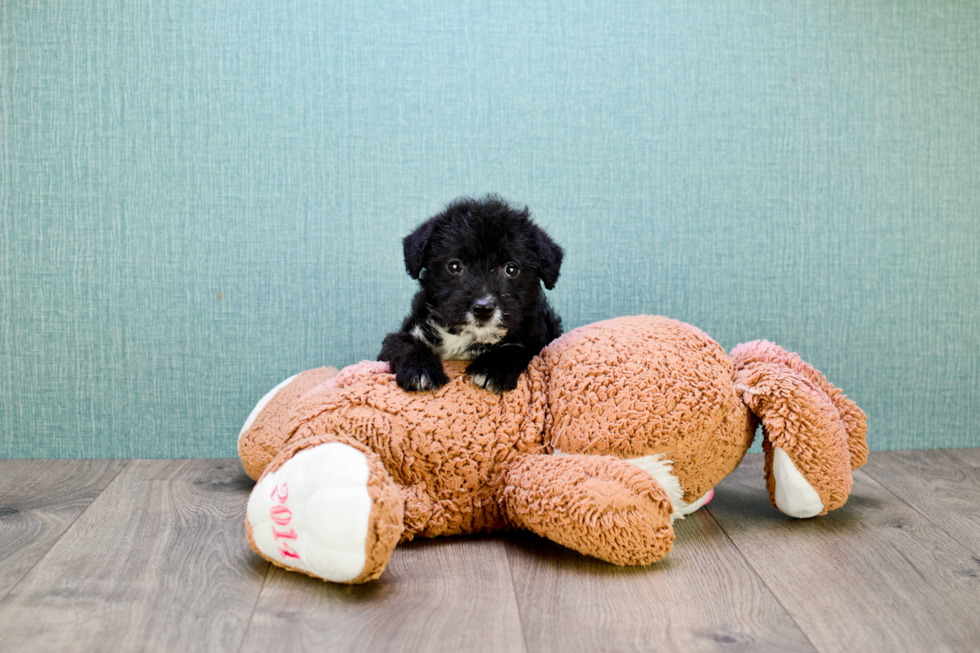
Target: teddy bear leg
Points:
(808, 462)
(597, 505)
(326, 506)
(854, 419)
(261, 438)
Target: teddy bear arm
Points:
(597, 505)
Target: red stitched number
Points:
(280, 493)
(282, 515)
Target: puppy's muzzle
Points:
(483, 309)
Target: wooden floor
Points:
(109, 555)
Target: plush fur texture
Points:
(480, 265)
(772, 383)
(462, 460)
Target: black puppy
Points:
(480, 264)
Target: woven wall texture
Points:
(201, 198)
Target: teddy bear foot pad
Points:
(794, 495)
(313, 513)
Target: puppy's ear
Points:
(549, 255)
(416, 246)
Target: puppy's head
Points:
(480, 264)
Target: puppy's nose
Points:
(483, 309)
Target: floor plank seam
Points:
(258, 597)
(762, 580)
(914, 509)
(27, 573)
(517, 603)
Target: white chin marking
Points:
(794, 495)
(489, 332)
(459, 346)
(262, 402)
(313, 512)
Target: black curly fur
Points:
(482, 237)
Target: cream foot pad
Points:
(313, 513)
(794, 495)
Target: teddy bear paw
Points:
(314, 512)
(794, 495)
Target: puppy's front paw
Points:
(421, 375)
(494, 374)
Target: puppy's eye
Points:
(454, 267)
(511, 270)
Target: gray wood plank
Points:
(159, 561)
(872, 576)
(970, 457)
(702, 597)
(39, 500)
(447, 594)
(941, 485)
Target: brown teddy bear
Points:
(616, 429)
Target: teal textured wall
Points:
(200, 198)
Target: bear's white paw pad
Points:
(794, 495)
(313, 513)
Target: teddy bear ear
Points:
(415, 247)
(549, 255)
